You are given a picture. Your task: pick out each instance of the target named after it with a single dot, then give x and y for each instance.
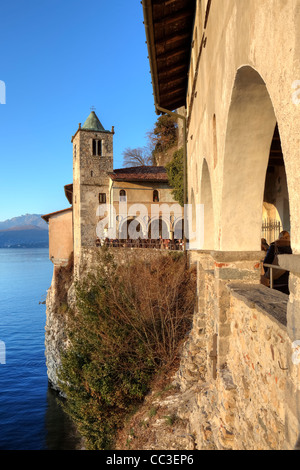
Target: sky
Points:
(60, 58)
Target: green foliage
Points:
(162, 137)
(164, 134)
(152, 412)
(171, 419)
(175, 175)
(122, 332)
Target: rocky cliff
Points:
(60, 296)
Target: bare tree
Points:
(140, 156)
(162, 137)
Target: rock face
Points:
(54, 335)
(60, 296)
(162, 421)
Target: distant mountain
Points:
(26, 231)
(24, 220)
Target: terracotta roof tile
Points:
(140, 173)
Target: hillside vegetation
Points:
(128, 325)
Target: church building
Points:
(107, 203)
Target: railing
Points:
(161, 244)
(271, 267)
(271, 229)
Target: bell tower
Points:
(92, 163)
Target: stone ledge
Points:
(231, 256)
(290, 263)
(268, 301)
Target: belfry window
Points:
(102, 198)
(97, 147)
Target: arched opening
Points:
(179, 229)
(122, 196)
(207, 201)
(155, 196)
(130, 229)
(158, 228)
(276, 209)
(249, 135)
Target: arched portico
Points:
(179, 229)
(158, 227)
(250, 130)
(131, 227)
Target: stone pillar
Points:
(238, 267)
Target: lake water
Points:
(30, 417)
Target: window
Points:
(102, 198)
(92, 173)
(97, 147)
(123, 196)
(155, 196)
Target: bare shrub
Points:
(129, 323)
(157, 299)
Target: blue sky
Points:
(58, 59)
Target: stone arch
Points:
(276, 208)
(179, 229)
(207, 200)
(131, 227)
(250, 129)
(158, 227)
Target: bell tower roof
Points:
(92, 123)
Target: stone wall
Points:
(90, 257)
(257, 364)
(237, 360)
